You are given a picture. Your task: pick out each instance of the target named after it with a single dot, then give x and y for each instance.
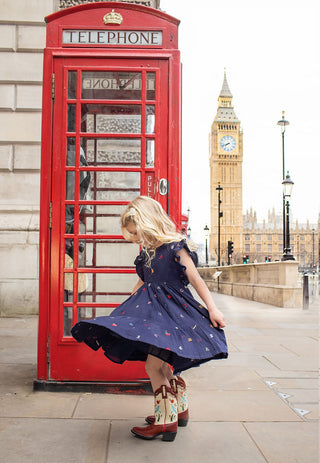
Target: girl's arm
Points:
(137, 286)
(199, 285)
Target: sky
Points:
(271, 54)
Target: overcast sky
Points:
(271, 53)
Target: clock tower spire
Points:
(225, 106)
(226, 155)
(225, 93)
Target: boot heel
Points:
(169, 436)
(183, 422)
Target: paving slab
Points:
(262, 346)
(203, 442)
(17, 380)
(19, 350)
(252, 323)
(231, 346)
(295, 383)
(38, 405)
(298, 333)
(309, 411)
(240, 406)
(53, 440)
(244, 332)
(226, 302)
(277, 373)
(296, 324)
(112, 406)
(293, 362)
(214, 377)
(248, 360)
(286, 442)
(305, 347)
(301, 395)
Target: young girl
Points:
(160, 323)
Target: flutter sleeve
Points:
(139, 263)
(177, 247)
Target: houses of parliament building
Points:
(252, 241)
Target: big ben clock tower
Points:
(226, 156)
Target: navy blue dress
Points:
(161, 318)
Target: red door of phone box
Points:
(111, 130)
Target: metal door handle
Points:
(163, 186)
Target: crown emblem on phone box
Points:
(112, 18)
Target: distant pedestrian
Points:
(160, 323)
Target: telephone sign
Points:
(110, 37)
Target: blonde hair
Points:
(152, 222)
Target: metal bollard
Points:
(305, 292)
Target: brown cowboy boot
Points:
(179, 387)
(166, 418)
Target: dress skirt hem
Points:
(119, 349)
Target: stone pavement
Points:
(260, 405)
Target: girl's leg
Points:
(165, 418)
(167, 371)
(177, 385)
(155, 372)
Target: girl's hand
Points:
(217, 318)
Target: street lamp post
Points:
(313, 230)
(287, 190)
(283, 123)
(206, 234)
(220, 214)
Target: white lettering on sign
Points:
(150, 184)
(111, 37)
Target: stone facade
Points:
(22, 40)
(265, 240)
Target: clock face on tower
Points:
(228, 143)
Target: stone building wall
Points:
(22, 39)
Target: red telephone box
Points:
(111, 131)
